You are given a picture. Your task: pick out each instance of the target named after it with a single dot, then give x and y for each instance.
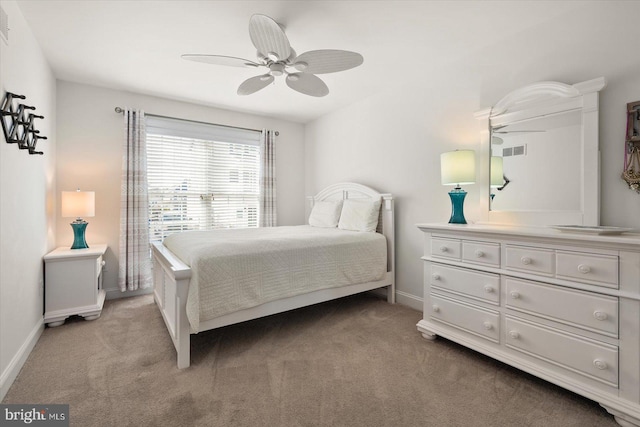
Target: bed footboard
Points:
(170, 289)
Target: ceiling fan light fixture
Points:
(273, 56)
(276, 69)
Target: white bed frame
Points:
(172, 276)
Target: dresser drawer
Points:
(446, 248)
(533, 260)
(586, 357)
(482, 286)
(481, 253)
(478, 321)
(585, 310)
(596, 269)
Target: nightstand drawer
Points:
(481, 253)
(585, 310)
(477, 285)
(533, 260)
(596, 269)
(586, 357)
(478, 321)
(446, 248)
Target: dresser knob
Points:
(444, 249)
(436, 308)
(514, 334)
(488, 326)
(584, 269)
(479, 253)
(435, 276)
(525, 260)
(488, 289)
(515, 294)
(600, 364)
(600, 315)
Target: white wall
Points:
(392, 141)
(90, 136)
(27, 206)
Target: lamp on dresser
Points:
(458, 168)
(78, 204)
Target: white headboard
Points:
(351, 190)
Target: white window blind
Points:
(201, 176)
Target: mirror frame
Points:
(533, 101)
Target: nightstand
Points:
(73, 284)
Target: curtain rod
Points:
(120, 111)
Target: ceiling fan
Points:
(275, 54)
(499, 129)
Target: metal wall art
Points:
(17, 123)
(631, 173)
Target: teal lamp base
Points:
(457, 196)
(79, 226)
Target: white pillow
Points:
(325, 214)
(359, 215)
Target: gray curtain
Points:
(268, 178)
(135, 261)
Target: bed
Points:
(207, 280)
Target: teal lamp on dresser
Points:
(78, 204)
(458, 168)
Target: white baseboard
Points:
(115, 293)
(409, 300)
(13, 369)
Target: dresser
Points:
(73, 284)
(562, 306)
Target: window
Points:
(201, 176)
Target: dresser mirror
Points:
(541, 157)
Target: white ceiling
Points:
(136, 45)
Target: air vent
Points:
(520, 150)
(4, 26)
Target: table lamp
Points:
(78, 204)
(458, 168)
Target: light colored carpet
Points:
(357, 361)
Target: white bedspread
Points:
(242, 268)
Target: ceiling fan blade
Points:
(307, 84)
(221, 60)
(267, 36)
(254, 84)
(519, 131)
(327, 61)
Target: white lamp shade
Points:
(497, 172)
(78, 204)
(458, 167)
